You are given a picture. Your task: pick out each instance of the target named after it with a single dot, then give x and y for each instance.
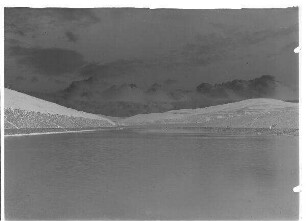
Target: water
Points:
(128, 174)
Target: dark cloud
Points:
(130, 99)
(48, 61)
(71, 36)
(263, 86)
(154, 87)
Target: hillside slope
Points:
(252, 113)
(24, 111)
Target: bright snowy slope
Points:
(24, 111)
(252, 113)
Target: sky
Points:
(48, 49)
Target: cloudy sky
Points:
(48, 49)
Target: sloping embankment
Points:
(24, 112)
(252, 113)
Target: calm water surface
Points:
(130, 174)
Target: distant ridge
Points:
(251, 113)
(24, 111)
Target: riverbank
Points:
(219, 130)
(160, 129)
(41, 131)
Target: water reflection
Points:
(132, 175)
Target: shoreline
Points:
(53, 132)
(166, 128)
(46, 133)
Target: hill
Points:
(251, 113)
(24, 111)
